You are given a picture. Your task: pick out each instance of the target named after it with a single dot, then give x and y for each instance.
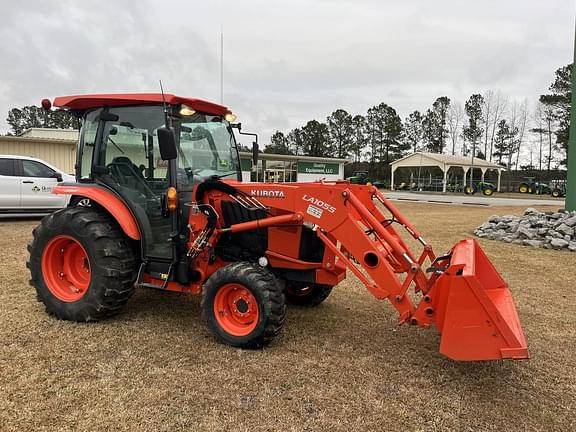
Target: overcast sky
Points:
(285, 62)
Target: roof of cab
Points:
(85, 102)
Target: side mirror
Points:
(57, 176)
(167, 143)
(254, 153)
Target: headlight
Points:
(185, 110)
(230, 117)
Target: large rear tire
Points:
(243, 305)
(81, 264)
(308, 295)
(523, 188)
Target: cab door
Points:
(37, 182)
(127, 160)
(10, 185)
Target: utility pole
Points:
(571, 177)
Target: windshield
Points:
(207, 148)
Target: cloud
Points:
(285, 63)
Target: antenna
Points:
(222, 64)
(166, 119)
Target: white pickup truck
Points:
(26, 185)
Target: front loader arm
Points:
(464, 297)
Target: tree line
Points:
(489, 125)
(21, 119)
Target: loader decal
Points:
(267, 193)
(314, 211)
(318, 203)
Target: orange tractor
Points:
(159, 203)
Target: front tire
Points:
(243, 305)
(81, 265)
(488, 191)
(307, 295)
(469, 190)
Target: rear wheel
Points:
(81, 265)
(309, 295)
(243, 305)
(523, 188)
(556, 193)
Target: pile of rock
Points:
(547, 230)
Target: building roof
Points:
(441, 160)
(84, 102)
(51, 133)
(273, 156)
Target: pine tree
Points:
(559, 102)
(279, 144)
(341, 131)
(413, 130)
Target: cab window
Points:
(36, 169)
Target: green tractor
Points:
(532, 186)
(486, 188)
(558, 190)
(361, 177)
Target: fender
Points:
(115, 206)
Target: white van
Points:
(26, 184)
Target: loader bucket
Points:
(474, 310)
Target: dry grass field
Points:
(344, 366)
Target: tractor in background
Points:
(165, 208)
(532, 186)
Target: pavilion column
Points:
(483, 173)
(446, 169)
(499, 176)
(392, 178)
(465, 169)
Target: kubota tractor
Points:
(159, 203)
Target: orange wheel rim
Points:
(236, 309)
(66, 268)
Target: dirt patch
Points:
(342, 366)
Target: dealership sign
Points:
(318, 168)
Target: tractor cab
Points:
(119, 150)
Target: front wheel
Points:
(556, 193)
(469, 190)
(81, 265)
(308, 295)
(243, 305)
(488, 191)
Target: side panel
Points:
(109, 201)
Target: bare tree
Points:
(513, 119)
(522, 121)
(500, 107)
(539, 128)
(454, 120)
(487, 119)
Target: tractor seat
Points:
(127, 174)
